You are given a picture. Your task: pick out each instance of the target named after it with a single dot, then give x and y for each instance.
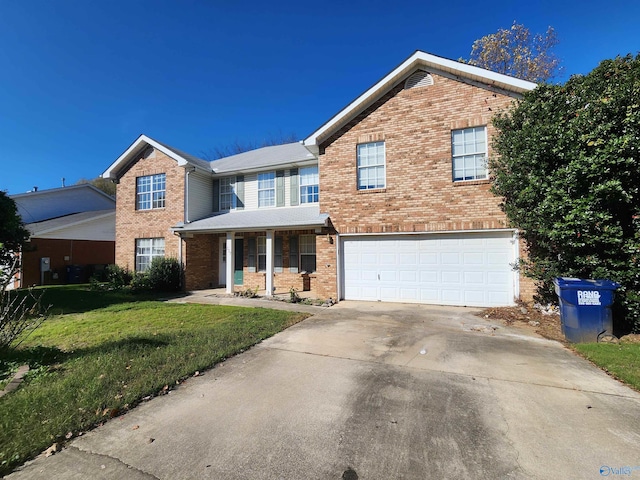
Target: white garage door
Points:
(472, 269)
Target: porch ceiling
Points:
(263, 219)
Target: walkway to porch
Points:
(218, 296)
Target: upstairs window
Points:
(151, 191)
(146, 250)
(226, 193)
(469, 152)
(309, 185)
(371, 166)
(267, 189)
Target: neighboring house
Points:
(389, 200)
(72, 234)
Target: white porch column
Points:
(270, 260)
(231, 258)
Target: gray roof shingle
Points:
(36, 228)
(263, 219)
(288, 153)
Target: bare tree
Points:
(518, 52)
(241, 147)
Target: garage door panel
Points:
(388, 259)
(369, 276)
(498, 258)
(408, 294)
(477, 278)
(454, 269)
(369, 259)
(428, 258)
(452, 296)
(407, 259)
(498, 278)
(473, 297)
(450, 277)
(447, 258)
(475, 258)
(389, 275)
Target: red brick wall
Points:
(203, 259)
(155, 223)
(83, 253)
(420, 195)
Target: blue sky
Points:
(80, 80)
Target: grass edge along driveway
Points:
(90, 366)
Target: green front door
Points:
(237, 262)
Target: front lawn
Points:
(88, 367)
(622, 361)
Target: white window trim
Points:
(314, 183)
(261, 251)
(151, 192)
(273, 189)
(232, 193)
(302, 245)
(485, 153)
(151, 255)
(366, 167)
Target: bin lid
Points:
(581, 283)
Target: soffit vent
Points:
(418, 79)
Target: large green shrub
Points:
(118, 277)
(165, 275)
(568, 171)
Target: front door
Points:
(222, 269)
(238, 259)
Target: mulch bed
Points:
(528, 317)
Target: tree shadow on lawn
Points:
(64, 299)
(51, 358)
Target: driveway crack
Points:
(108, 459)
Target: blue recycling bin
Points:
(585, 308)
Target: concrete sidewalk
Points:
(218, 297)
(374, 391)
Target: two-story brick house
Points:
(389, 200)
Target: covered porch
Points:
(272, 251)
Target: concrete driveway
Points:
(375, 391)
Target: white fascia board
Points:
(426, 60)
(73, 224)
(127, 156)
(285, 227)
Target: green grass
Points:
(87, 367)
(622, 361)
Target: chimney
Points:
(63, 185)
(35, 189)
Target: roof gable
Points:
(418, 60)
(143, 142)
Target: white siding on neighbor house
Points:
(100, 229)
(200, 200)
